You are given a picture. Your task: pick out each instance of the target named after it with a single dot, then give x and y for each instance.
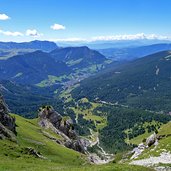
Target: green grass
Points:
(92, 69)
(84, 100)
(30, 135)
(100, 122)
(66, 94)
(137, 140)
(57, 157)
(51, 80)
(74, 62)
(165, 129)
(19, 165)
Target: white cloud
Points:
(58, 27)
(139, 36)
(4, 17)
(29, 32)
(33, 33)
(10, 33)
(72, 39)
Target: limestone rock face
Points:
(7, 123)
(54, 117)
(49, 118)
(151, 139)
(138, 150)
(76, 145)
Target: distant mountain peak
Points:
(83, 56)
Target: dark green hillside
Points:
(78, 57)
(26, 99)
(31, 68)
(115, 125)
(120, 119)
(45, 69)
(143, 83)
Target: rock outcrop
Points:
(164, 158)
(138, 150)
(151, 140)
(7, 123)
(62, 126)
(33, 152)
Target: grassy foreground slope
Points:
(164, 144)
(14, 157)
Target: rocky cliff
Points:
(7, 123)
(63, 126)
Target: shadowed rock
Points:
(151, 139)
(7, 123)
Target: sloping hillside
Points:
(31, 68)
(26, 99)
(157, 155)
(18, 156)
(143, 83)
(78, 57)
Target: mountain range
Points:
(36, 45)
(34, 67)
(10, 49)
(131, 53)
(106, 44)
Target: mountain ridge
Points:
(36, 45)
(82, 55)
(31, 68)
(132, 53)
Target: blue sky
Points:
(24, 20)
